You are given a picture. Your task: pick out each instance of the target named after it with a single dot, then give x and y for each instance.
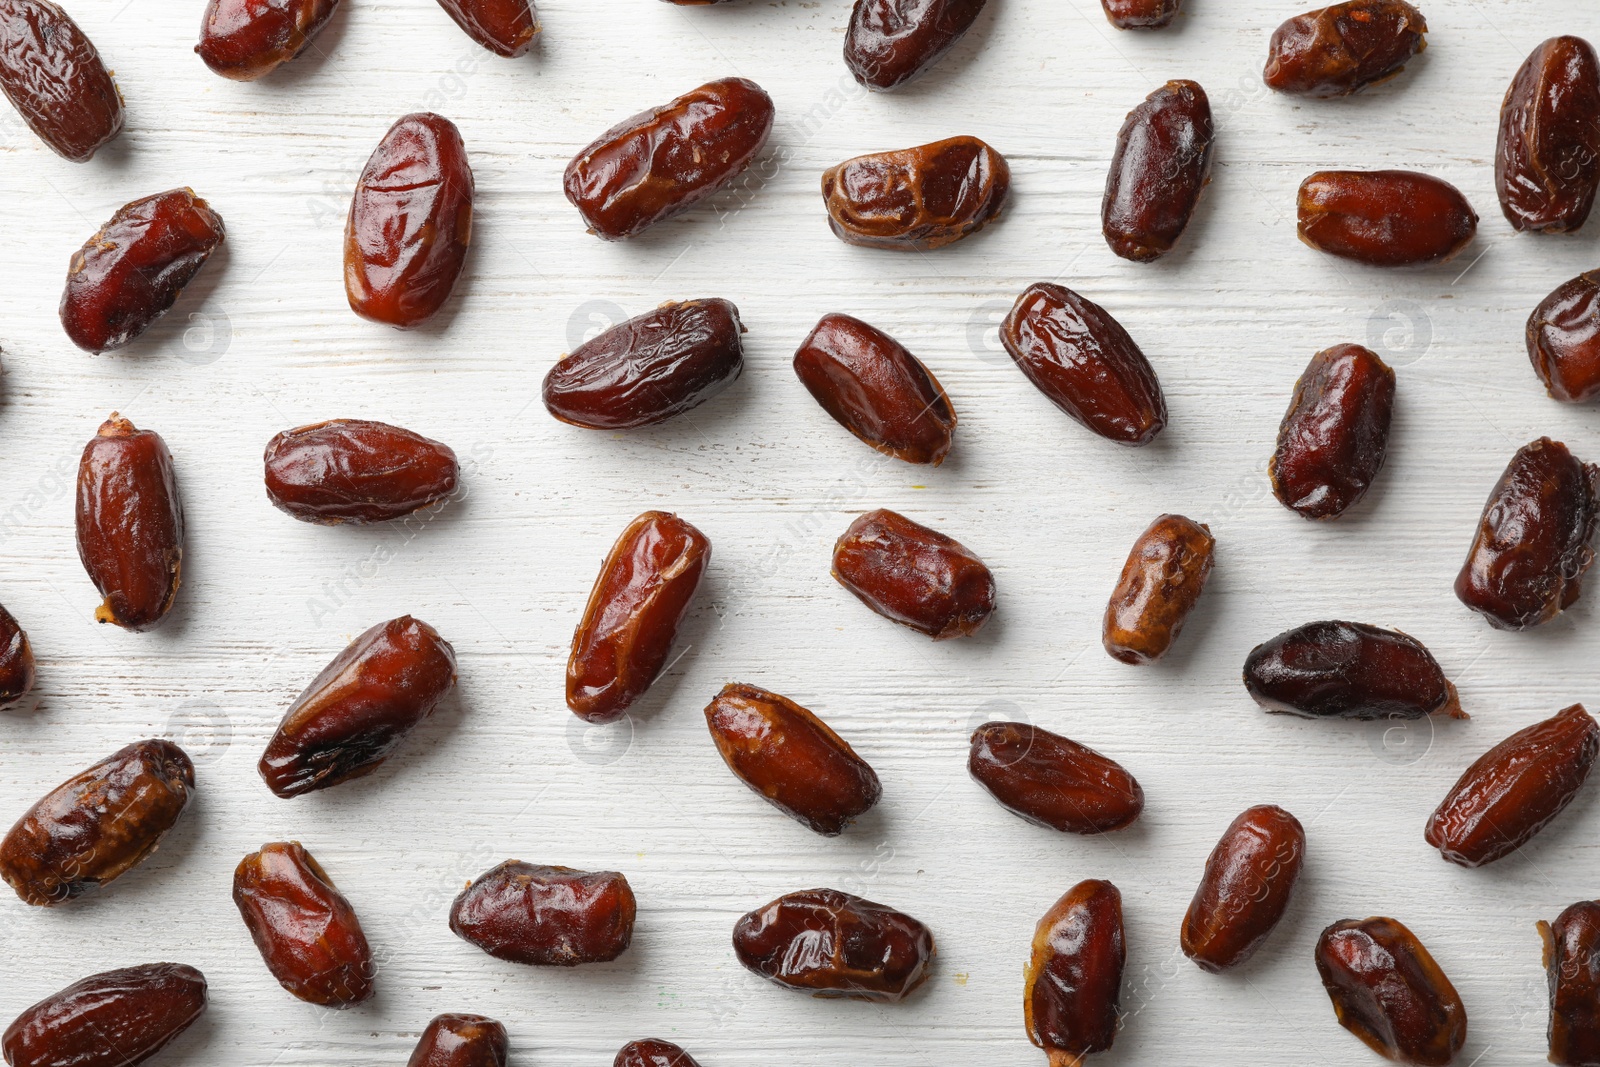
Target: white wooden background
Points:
(264, 341)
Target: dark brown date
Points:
(97, 825)
(1161, 166)
(410, 222)
(877, 390)
(1547, 159)
(650, 368)
(1390, 993)
(1160, 584)
(1384, 218)
(546, 916)
(130, 524)
(1051, 781)
(1335, 436)
(1512, 791)
(1572, 967)
(1074, 976)
(890, 42)
(1564, 340)
(1531, 550)
(833, 944)
(1081, 358)
(360, 708)
(305, 929)
(664, 161)
(129, 274)
(1343, 49)
(914, 576)
(460, 1040)
(917, 199)
(1349, 670)
(505, 27)
(16, 660)
(1141, 14)
(791, 758)
(113, 1019)
(1245, 890)
(245, 39)
(353, 470)
(644, 589)
(653, 1052)
(53, 76)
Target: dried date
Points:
(1052, 781)
(1245, 890)
(16, 660)
(1547, 158)
(1384, 218)
(505, 27)
(1335, 436)
(913, 575)
(1388, 991)
(113, 1019)
(1161, 166)
(461, 1040)
(833, 944)
(917, 199)
(356, 471)
(1572, 968)
(1160, 584)
(1564, 339)
(653, 1052)
(54, 77)
(1073, 980)
(890, 42)
(306, 931)
(546, 916)
(1141, 14)
(246, 39)
(1349, 670)
(1343, 49)
(130, 524)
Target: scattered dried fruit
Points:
(113, 1019)
(1074, 976)
(1349, 670)
(1245, 890)
(833, 944)
(1564, 339)
(1343, 49)
(546, 916)
(460, 1040)
(16, 660)
(890, 42)
(1572, 964)
(1160, 584)
(1161, 166)
(1141, 14)
(652, 1051)
(130, 524)
(913, 575)
(1384, 218)
(1335, 436)
(53, 76)
(917, 199)
(1052, 781)
(505, 27)
(357, 471)
(1547, 159)
(1390, 993)
(245, 39)
(307, 932)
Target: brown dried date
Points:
(16, 660)
(461, 1040)
(1052, 781)
(1335, 436)
(1564, 339)
(130, 524)
(546, 916)
(1245, 890)
(54, 77)
(917, 199)
(650, 368)
(1074, 976)
(1547, 159)
(505, 27)
(890, 42)
(1161, 166)
(1384, 218)
(833, 944)
(1349, 670)
(791, 758)
(113, 1019)
(1343, 49)
(245, 39)
(97, 825)
(1388, 991)
(357, 471)
(653, 1052)
(305, 929)
(1572, 967)
(1160, 584)
(914, 576)
(360, 708)
(1141, 14)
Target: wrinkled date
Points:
(360, 708)
(1051, 781)
(505, 27)
(791, 758)
(1564, 339)
(1531, 549)
(16, 660)
(833, 944)
(1141, 14)
(1512, 791)
(97, 825)
(1572, 967)
(305, 929)
(1339, 50)
(130, 524)
(1081, 358)
(914, 576)
(546, 916)
(917, 199)
(53, 76)
(245, 39)
(113, 1019)
(1245, 890)
(1161, 166)
(890, 42)
(1074, 976)
(653, 1052)
(650, 368)
(876, 389)
(1390, 993)
(461, 1040)
(1160, 584)
(410, 222)
(129, 274)
(353, 470)
(664, 161)
(1349, 670)
(1335, 436)
(645, 586)
(1547, 159)
(1384, 218)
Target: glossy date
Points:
(130, 524)
(54, 77)
(1349, 670)
(1388, 991)
(653, 1052)
(833, 944)
(113, 1019)
(1384, 218)
(461, 1040)
(1141, 14)
(890, 42)
(1343, 49)
(1248, 880)
(1335, 436)
(913, 575)
(1572, 970)
(546, 916)
(1161, 166)
(16, 660)
(1564, 340)
(1160, 584)
(246, 39)
(1052, 781)
(1073, 980)
(505, 27)
(917, 199)
(306, 931)
(1547, 158)
(356, 471)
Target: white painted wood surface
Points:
(264, 341)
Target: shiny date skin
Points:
(54, 77)
(546, 916)
(1515, 789)
(1547, 158)
(1388, 991)
(1572, 969)
(130, 273)
(653, 1052)
(307, 932)
(1248, 880)
(1141, 14)
(1161, 166)
(1564, 340)
(876, 389)
(16, 660)
(1349, 670)
(917, 199)
(356, 471)
(360, 708)
(628, 627)
(650, 368)
(130, 524)
(1081, 358)
(914, 576)
(1052, 781)
(664, 161)
(410, 222)
(461, 1040)
(890, 42)
(1384, 218)
(1343, 49)
(791, 758)
(113, 1019)
(1335, 436)
(1073, 979)
(1160, 584)
(505, 27)
(1531, 549)
(246, 39)
(833, 944)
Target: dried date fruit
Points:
(130, 273)
(890, 42)
(1245, 890)
(1547, 159)
(653, 1052)
(1512, 791)
(1349, 670)
(1531, 549)
(650, 368)
(505, 27)
(245, 39)
(1160, 584)
(1564, 339)
(1384, 218)
(1335, 436)
(360, 708)
(1390, 993)
(791, 758)
(644, 589)
(16, 660)
(130, 524)
(1572, 968)
(307, 932)
(1343, 49)
(98, 824)
(917, 199)
(833, 944)
(461, 1040)
(1141, 14)
(546, 916)
(113, 1019)
(1161, 166)
(664, 161)
(1074, 976)
(1052, 781)
(875, 389)
(914, 576)
(53, 76)
(357, 471)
